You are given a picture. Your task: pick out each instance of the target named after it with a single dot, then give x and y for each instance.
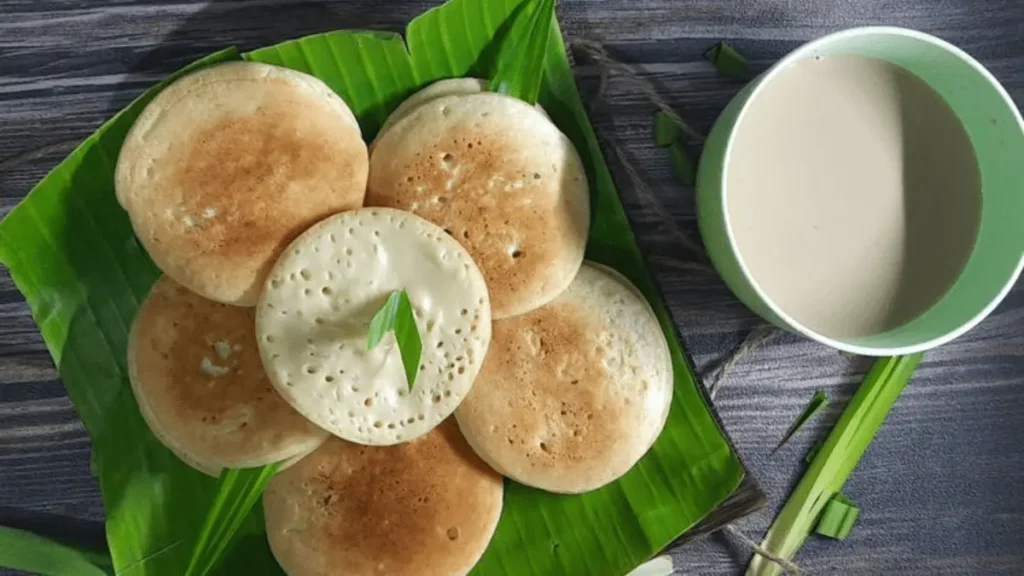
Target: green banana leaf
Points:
(26, 551)
(71, 251)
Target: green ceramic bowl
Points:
(997, 133)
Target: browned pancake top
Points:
(196, 372)
(501, 179)
(424, 507)
(223, 174)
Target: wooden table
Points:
(941, 487)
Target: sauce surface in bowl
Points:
(853, 194)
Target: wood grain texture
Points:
(940, 489)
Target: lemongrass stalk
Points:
(835, 460)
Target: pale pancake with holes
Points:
(499, 177)
(229, 164)
(313, 318)
(421, 508)
(196, 373)
(439, 89)
(572, 394)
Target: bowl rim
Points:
(801, 53)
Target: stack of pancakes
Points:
(280, 235)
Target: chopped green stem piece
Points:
(26, 551)
(838, 518)
(728, 61)
(238, 490)
(836, 459)
(682, 166)
(520, 66)
(666, 130)
(818, 403)
(396, 316)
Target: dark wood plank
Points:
(940, 487)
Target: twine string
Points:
(606, 64)
(754, 339)
(787, 566)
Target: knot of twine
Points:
(787, 566)
(755, 338)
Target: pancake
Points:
(422, 508)
(439, 89)
(499, 177)
(572, 394)
(313, 318)
(196, 373)
(228, 165)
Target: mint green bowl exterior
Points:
(997, 133)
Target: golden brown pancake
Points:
(439, 89)
(228, 165)
(423, 508)
(572, 394)
(499, 177)
(196, 372)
